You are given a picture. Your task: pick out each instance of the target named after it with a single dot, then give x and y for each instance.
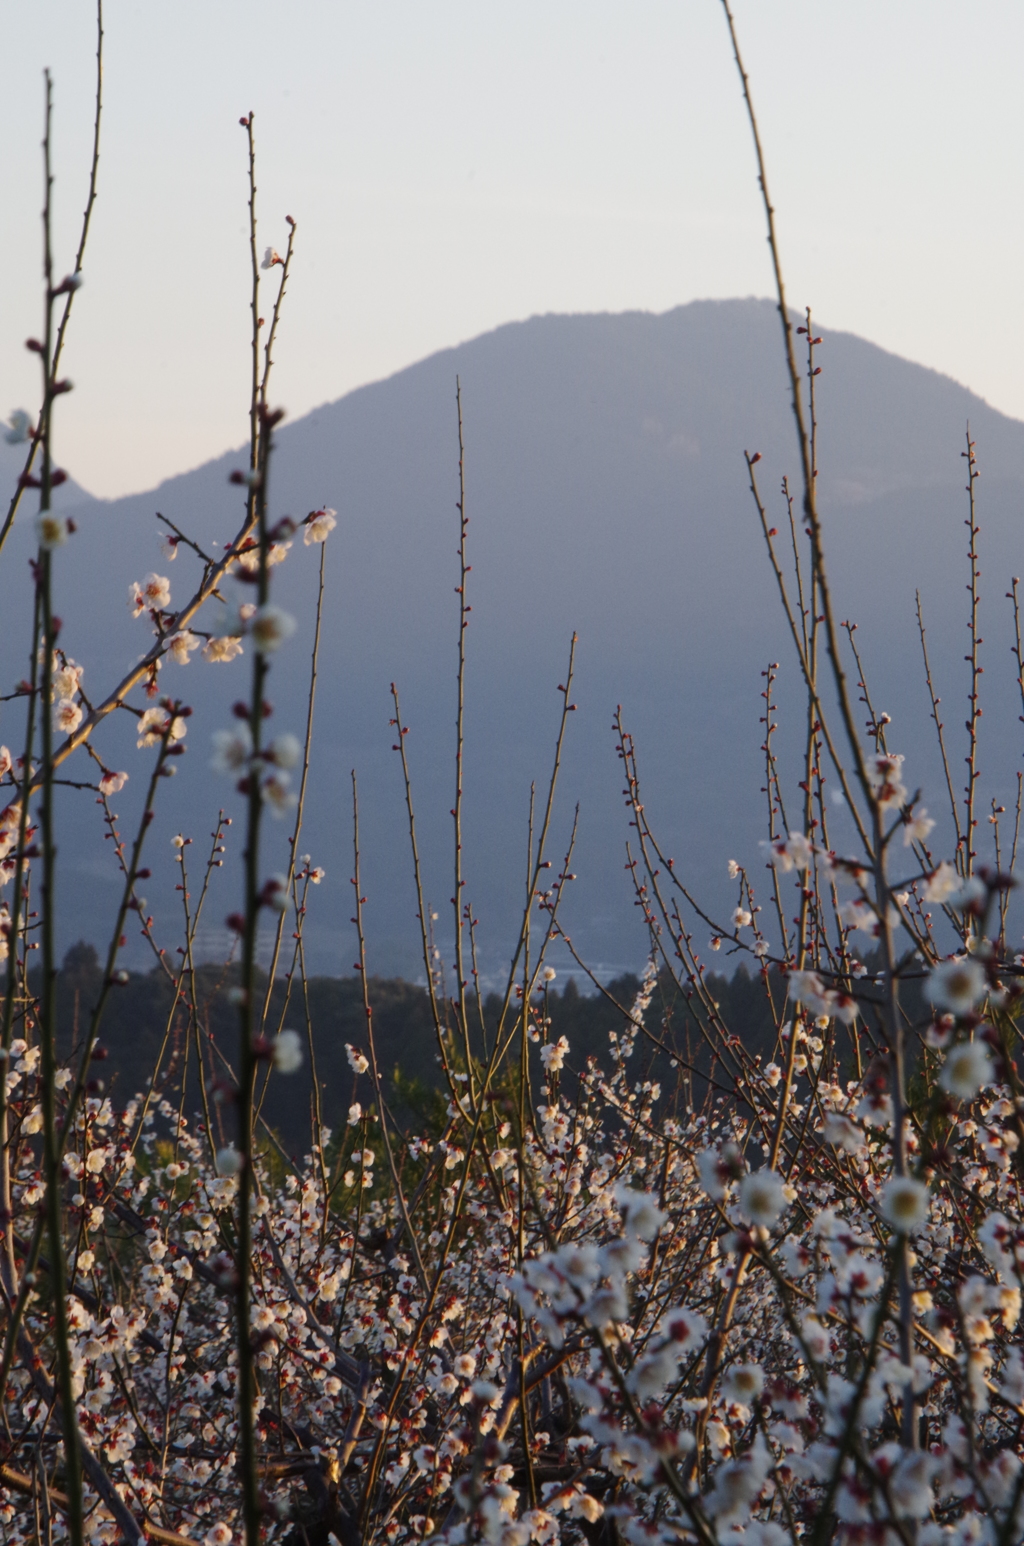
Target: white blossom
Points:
(232, 749)
(842, 1133)
(941, 884)
(967, 1069)
(269, 627)
(743, 1383)
(762, 1197)
(67, 716)
(917, 827)
(885, 776)
(51, 530)
(553, 1055)
(219, 650)
(957, 985)
(155, 723)
(181, 645)
(905, 1204)
(288, 1052)
(640, 1212)
(20, 427)
(279, 798)
(284, 751)
(151, 594)
(319, 526)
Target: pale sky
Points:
(457, 164)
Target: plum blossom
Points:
(279, 798)
(248, 559)
(553, 1055)
(858, 914)
(319, 524)
(284, 751)
(762, 1197)
(19, 427)
(790, 851)
(357, 1061)
(232, 749)
(181, 645)
(52, 531)
(957, 985)
(743, 1383)
(941, 884)
(910, 1481)
(842, 1133)
(808, 989)
(905, 1204)
(738, 1483)
(219, 650)
(67, 716)
(288, 1052)
(155, 723)
(151, 594)
(67, 678)
(641, 1215)
(269, 627)
(885, 777)
(112, 783)
(717, 1167)
(917, 827)
(275, 893)
(967, 1069)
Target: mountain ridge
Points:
(606, 491)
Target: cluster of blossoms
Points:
(689, 1326)
(66, 680)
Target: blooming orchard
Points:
(614, 1314)
(776, 1299)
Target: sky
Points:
(459, 164)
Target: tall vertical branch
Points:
(254, 305)
(464, 610)
(14, 926)
(247, 1053)
(803, 439)
(48, 1008)
(293, 841)
(259, 458)
(974, 696)
(935, 700)
(876, 846)
(25, 480)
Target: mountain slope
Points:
(607, 494)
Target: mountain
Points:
(607, 494)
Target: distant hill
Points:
(607, 494)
